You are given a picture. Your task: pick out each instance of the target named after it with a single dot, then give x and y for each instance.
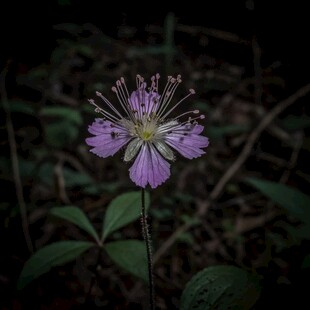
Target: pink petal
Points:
(100, 126)
(108, 138)
(149, 167)
(187, 141)
(143, 102)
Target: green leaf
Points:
(293, 122)
(69, 27)
(129, 255)
(76, 178)
(77, 217)
(64, 113)
(99, 188)
(302, 232)
(306, 262)
(61, 133)
(21, 107)
(221, 288)
(222, 131)
(294, 201)
(72, 178)
(122, 210)
(55, 254)
(85, 50)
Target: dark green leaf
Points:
(56, 254)
(63, 113)
(85, 50)
(76, 178)
(294, 201)
(72, 178)
(130, 255)
(302, 232)
(99, 188)
(221, 288)
(21, 107)
(306, 262)
(69, 27)
(61, 133)
(219, 132)
(77, 217)
(122, 210)
(293, 122)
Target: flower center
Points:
(146, 135)
(146, 128)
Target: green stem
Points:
(147, 239)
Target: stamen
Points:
(157, 78)
(108, 103)
(170, 90)
(176, 105)
(123, 101)
(189, 112)
(125, 86)
(108, 115)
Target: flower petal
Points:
(187, 141)
(108, 139)
(100, 126)
(143, 102)
(164, 149)
(149, 167)
(132, 149)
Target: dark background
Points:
(281, 32)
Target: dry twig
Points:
(217, 190)
(14, 159)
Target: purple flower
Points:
(149, 135)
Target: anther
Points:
(192, 91)
(114, 89)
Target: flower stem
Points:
(147, 239)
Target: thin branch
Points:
(257, 71)
(211, 32)
(14, 159)
(169, 242)
(270, 116)
(60, 183)
(217, 190)
(298, 142)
